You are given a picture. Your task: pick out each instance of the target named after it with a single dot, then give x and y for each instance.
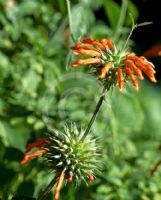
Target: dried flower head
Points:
(71, 157)
(111, 65)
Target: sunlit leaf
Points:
(82, 20)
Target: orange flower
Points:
(112, 65)
(154, 51)
(28, 157)
(132, 77)
(94, 42)
(88, 61)
(92, 53)
(59, 185)
(104, 70)
(120, 79)
(38, 143)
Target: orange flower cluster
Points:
(107, 60)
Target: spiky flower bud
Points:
(69, 154)
(68, 151)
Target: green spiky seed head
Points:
(68, 151)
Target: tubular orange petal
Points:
(131, 55)
(98, 44)
(79, 46)
(92, 53)
(108, 43)
(87, 40)
(147, 64)
(120, 79)
(152, 78)
(136, 70)
(94, 42)
(142, 63)
(28, 157)
(150, 67)
(59, 185)
(142, 60)
(104, 70)
(38, 143)
(132, 77)
(89, 61)
(148, 72)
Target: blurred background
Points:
(39, 90)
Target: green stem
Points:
(43, 195)
(93, 118)
(121, 19)
(70, 20)
(134, 26)
(128, 38)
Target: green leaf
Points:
(4, 130)
(82, 20)
(133, 10)
(112, 10)
(101, 31)
(5, 65)
(30, 82)
(93, 4)
(14, 135)
(28, 7)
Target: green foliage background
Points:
(37, 92)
